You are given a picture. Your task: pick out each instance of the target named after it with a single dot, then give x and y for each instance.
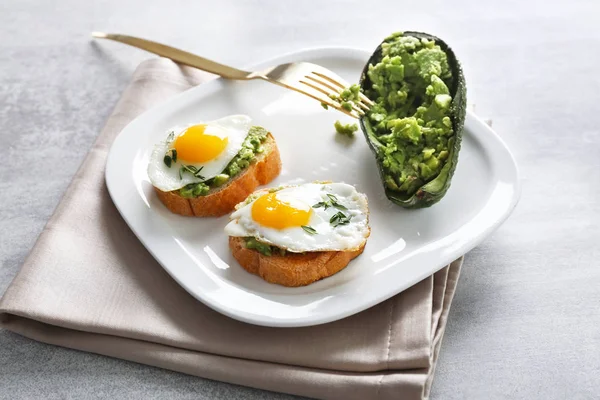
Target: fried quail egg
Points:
(305, 218)
(196, 153)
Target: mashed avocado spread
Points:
(263, 248)
(251, 147)
(411, 115)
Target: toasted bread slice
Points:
(291, 269)
(222, 200)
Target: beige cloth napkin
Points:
(89, 284)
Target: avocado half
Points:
(433, 191)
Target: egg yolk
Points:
(194, 146)
(273, 212)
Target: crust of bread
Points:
(291, 269)
(222, 200)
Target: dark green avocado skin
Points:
(433, 191)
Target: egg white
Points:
(234, 127)
(295, 239)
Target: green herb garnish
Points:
(192, 170)
(340, 219)
(324, 204)
(309, 229)
(333, 202)
(170, 157)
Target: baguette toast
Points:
(291, 269)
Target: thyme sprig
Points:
(192, 170)
(340, 219)
(309, 229)
(332, 202)
(170, 157)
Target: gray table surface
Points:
(525, 321)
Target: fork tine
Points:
(338, 105)
(335, 91)
(365, 102)
(339, 83)
(364, 98)
(319, 96)
(301, 78)
(333, 103)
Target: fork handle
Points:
(180, 56)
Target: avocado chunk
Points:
(345, 129)
(415, 127)
(194, 190)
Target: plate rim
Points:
(312, 319)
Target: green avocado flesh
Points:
(263, 248)
(251, 147)
(345, 129)
(416, 124)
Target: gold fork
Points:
(309, 79)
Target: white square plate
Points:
(405, 245)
